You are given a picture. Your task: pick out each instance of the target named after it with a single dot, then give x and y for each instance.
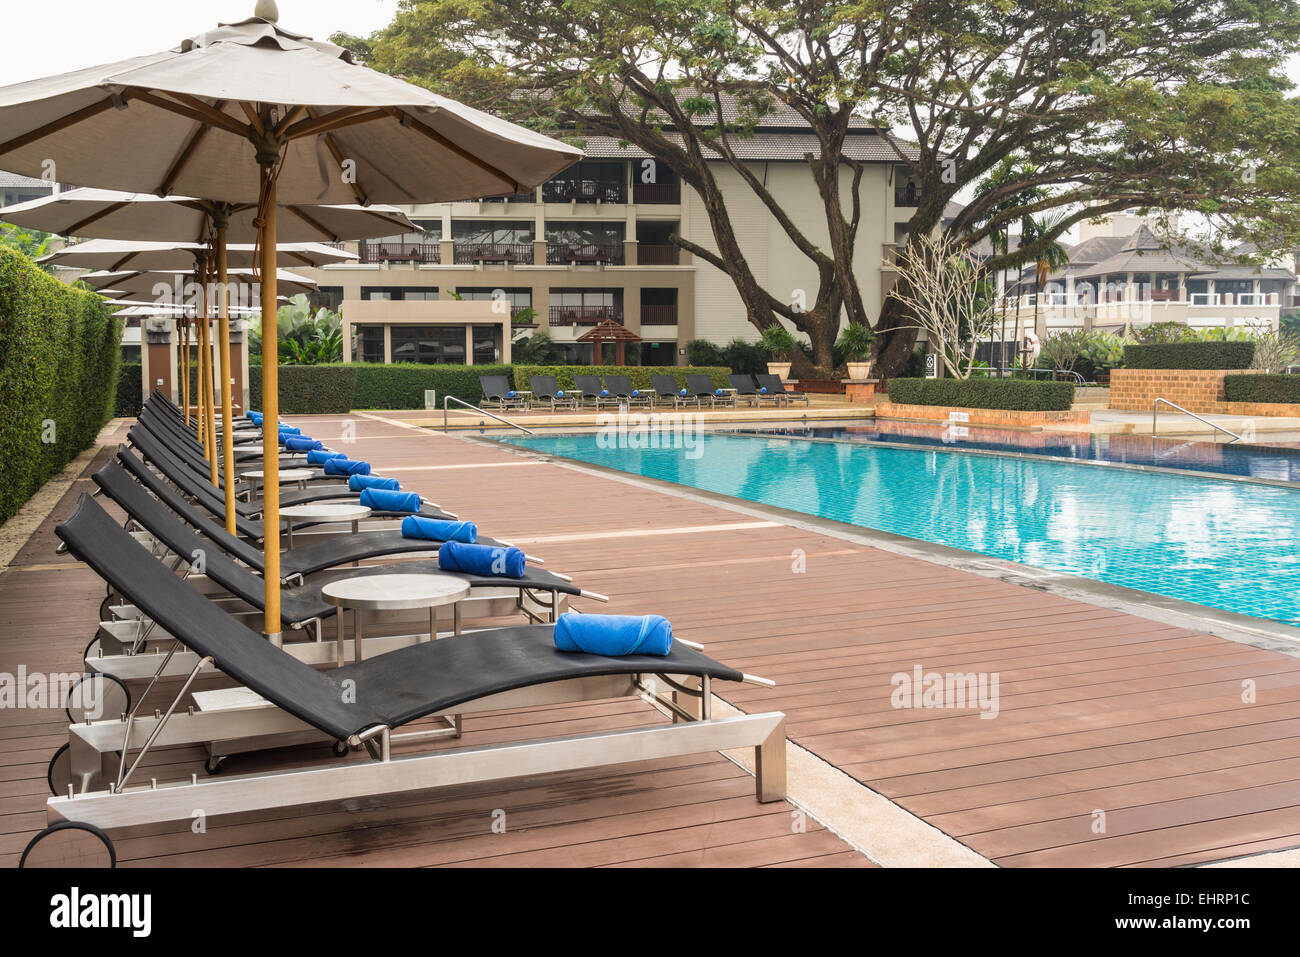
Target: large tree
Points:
(1113, 104)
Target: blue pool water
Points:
(1229, 545)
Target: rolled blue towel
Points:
(482, 559)
(321, 456)
(718, 392)
(614, 635)
(346, 466)
(290, 430)
(384, 500)
(763, 390)
(559, 394)
(683, 392)
(437, 530)
(359, 483)
(636, 392)
(604, 393)
(511, 394)
(302, 443)
(255, 418)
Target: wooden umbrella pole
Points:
(200, 394)
(227, 403)
(270, 408)
(184, 364)
(213, 465)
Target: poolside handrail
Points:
(492, 415)
(1155, 413)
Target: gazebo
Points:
(609, 331)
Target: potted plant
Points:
(780, 345)
(855, 342)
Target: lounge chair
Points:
(496, 388)
(702, 387)
(589, 389)
(465, 675)
(546, 389)
(665, 387)
(775, 386)
(620, 387)
(748, 390)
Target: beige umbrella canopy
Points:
(181, 284)
(252, 113)
(112, 214)
(117, 255)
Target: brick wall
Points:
(996, 417)
(1197, 390)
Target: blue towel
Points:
(359, 483)
(636, 391)
(511, 394)
(346, 466)
(302, 443)
(482, 559)
(763, 390)
(604, 393)
(255, 418)
(614, 635)
(436, 530)
(683, 392)
(718, 392)
(290, 430)
(321, 456)
(560, 394)
(384, 500)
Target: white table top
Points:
(286, 475)
(395, 592)
(326, 511)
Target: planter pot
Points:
(860, 370)
(781, 369)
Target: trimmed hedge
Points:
(305, 390)
(1262, 388)
(60, 349)
(1190, 355)
(129, 401)
(402, 385)
(1021, 395)
(640, 375)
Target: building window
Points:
(399, 293)
(498, 231)
(585, 307)
(368, 343)
(326, 297)
(518, 298)
(428, 344)
(485, 345)
(588, 182)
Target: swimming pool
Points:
(1225, 544)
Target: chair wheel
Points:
(341, 749)
(97, 696)
(59, 775)
(69, 844)
(93, 650)
(213, 764)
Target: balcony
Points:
(584, 191)
(584, 254)
(659, 315)
(469, 254)
(655, 254)
(511, 198)
(657, 194)
(584, 315)
(424, 253)
(903, 196)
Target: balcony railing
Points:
(584, 191)
(652, 194)
(467, 254)
(656, 254)
(372, 252)
(659, 315)
(905, 197)
(584, 254)
(511, 198)
(584, 315)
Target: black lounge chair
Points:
(774, 386)
(620, 387)
(702, 387)
(665, 387)
(496, 388)
(748, 390)
(469, 674)
(546, 389)
(589, 389)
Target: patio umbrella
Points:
(122, 254)
(250, 112)
(143, 284)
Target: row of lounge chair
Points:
(590, 392)
(183, 592)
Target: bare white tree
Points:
(939, 285)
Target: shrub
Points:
(60, 350)
(1063, 350)
(1161, 333)
(1024, 395)
(702, 352)
(1190, 355)
(1262, 388)
(305, 390)
(778, 342)
(129, 400)
(640, 375)
(1275, 352)
(402, 384)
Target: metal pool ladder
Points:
(1155, 414)
(474, 408)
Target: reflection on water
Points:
(1226, 544)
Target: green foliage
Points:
(1103, 352)
(1063, 350)
(855, 341)
(305, 390)
(1190, 355)
(1160, 333)
(60, 349)
(29, 242)
(778, 342)
(1023, 395)
(305, 338)
(702, 352)
(1276, 352)
(536, 349)
(640, 375)
(402, 384)
(746, 358)
(129, 399)
(1262, 388)
(525, 315)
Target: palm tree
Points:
(1052, 256)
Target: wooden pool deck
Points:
(1119, 741)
